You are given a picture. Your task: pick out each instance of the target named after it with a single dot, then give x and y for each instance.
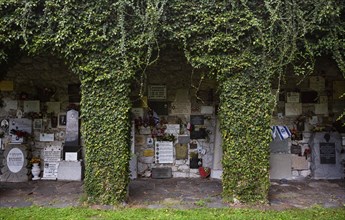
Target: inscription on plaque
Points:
(327, 153)
(164, 152)
(15, 160)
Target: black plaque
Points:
(296, 149)
(199, 134)
(327, 153)
(197, 119)
(161, 108)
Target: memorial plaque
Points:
(21, 124)
(157, 92)
(161, 108)
(72, 128)
(149, 153)
(52, 154)
(327, 153)
(181, 151)
(50, 171)
(197, 119)
(296, 149)
(164, 152)
(172, 129)
(15, 160)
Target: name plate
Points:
(327, 153)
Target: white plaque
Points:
(50, 171)
(71, 156)
(46, 137)
(164, 152)
(15, 160)
(52, 154)
(173, 129)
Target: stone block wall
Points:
(187, 94)
(43, 79)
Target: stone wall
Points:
(314, 107)
(40, 91)
(188, 93)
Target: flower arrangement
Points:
(35, 160)
(19, 133)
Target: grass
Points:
(201, 213)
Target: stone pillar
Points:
(217, 168)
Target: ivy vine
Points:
(243, 44)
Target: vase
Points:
(204, 173)
(36, 170)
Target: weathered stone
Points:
(280, 166)
(142, 167)
(180, 162)
(194, 171)
(295, 173)
(146, 159)
(69, 170)
(147, 173)
(183, 167)
(305, 173)
(174, 168)
(180, 174)
(194, 175)
(299, 163)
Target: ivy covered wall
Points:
(243, 44)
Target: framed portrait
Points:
(38, 123)
(62, 120)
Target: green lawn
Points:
(200, 214)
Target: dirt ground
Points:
(179, 193)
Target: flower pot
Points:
(204, 172)
(35, 170)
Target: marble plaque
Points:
(72, 128)
(15, 160)
(164, 152)
(52, 153)
(50, 171)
